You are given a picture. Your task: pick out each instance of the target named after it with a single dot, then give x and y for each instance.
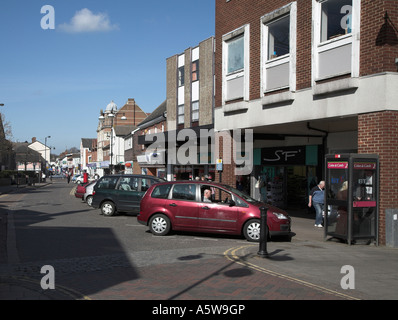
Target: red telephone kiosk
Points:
(85, 177)
(351, 197)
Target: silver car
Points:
(88, 196)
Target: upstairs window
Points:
(279, 38)
(336, 19)
(181, 77)
(278, 45)
(195, 71)
(236, 55)
(181, 111)
(195, 111)
(336, 49)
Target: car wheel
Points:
(89, 200)
(159, 225)
(251, 230)
(108, 208)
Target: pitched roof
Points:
(87, 142)
(122, 131)
(159, 111)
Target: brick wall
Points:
(234, 14)
(379, 36)
(228, 174)
(377, 133)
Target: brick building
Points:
(151, 162)
(310, 77)
(190, 104)
(113, 125)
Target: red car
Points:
(209, 207)
(80, 190)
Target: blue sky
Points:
(55, 82)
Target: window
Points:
(195, 71)
(184, 192)
(336, 19)
(181, 76)
(107, 183)
(128, 184)
(161, 192)
(279, 49)
(180, 115)
(279, 38)
(336, 50)
(236, 71)
(146, 183)
(218, 195)
(236, 55)
(195, 111)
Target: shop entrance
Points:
(288, 186)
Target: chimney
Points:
(33, 139)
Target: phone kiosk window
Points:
(351, 204)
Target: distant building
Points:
(108, 142)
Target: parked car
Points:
(88, 195)
(121, 193)
(181, 205)
(80, 190)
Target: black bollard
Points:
(263, 233)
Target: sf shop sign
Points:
(283, 156)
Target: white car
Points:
(88, 196)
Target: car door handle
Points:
(206, 208)
(172, 205)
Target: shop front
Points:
(284, 176)
(153, 163)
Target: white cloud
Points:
(86, 21)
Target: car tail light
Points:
(93, 193)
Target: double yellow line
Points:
(231, 254)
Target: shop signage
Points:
(338, 165)
(283, 156)
(219, 165)
(365, 165)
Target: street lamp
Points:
(45, 149)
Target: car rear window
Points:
(161, 191)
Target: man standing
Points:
(317, 199)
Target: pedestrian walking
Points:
(317, 199)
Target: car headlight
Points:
(280, 216)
